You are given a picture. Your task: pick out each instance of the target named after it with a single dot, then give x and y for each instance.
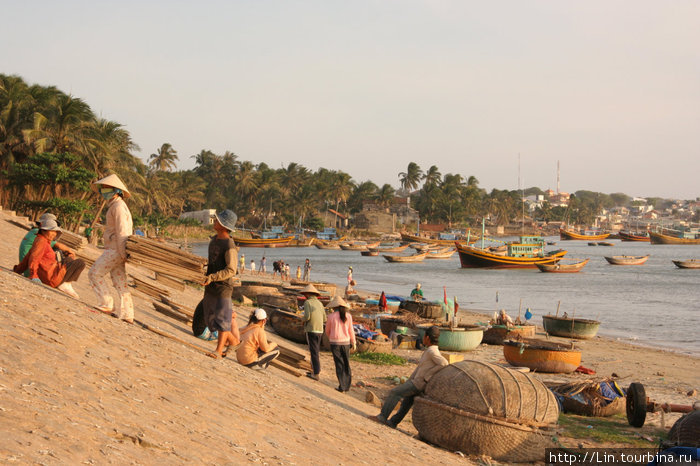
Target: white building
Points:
(205, 217)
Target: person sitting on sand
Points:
(254, 349)
(502, 318)
(43, 266)
(417, 293)
(218, 284)
(430, 362)
(26, 244)
(342, 337)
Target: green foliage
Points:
(51, 169)
(380, 359)
(314, 223)
(67, 210)
(613, 430)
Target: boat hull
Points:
(572, 235)
(562, 268)
(567, 327)
(659, 238)
(497, 334)
(263, 243)
(624, 236)
(542, 356)
(626, 260)
(689, 264)
(406, 259)
(471, 257)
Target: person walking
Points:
(253, 271)
(307, 271)
(218, 284)
(254, 349)
(314, 319)
(342, 337)
(430, 362)
(263, 265)
(118, 227)
(242, 264)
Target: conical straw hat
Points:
(337, 301)
(310, 289)
(113, 181)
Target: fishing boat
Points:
(605, 243)
(327, 245)
(593, 243)
(263, 242)
(441, 254)
(585, 235)
(526, 253)
(496, 334)
(689, 264)
(392, 249)
(561, 267)
(370, 253)
(677, 237)
(406, 238)
(358, 246)
(542, 355)
(634, 236)
(413, 258)
(627, 260)
(365, 345)
(287, 325)
(570, 327)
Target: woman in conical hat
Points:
(118, 227)
(341, 336)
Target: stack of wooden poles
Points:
(173, 310)
(165, 259)
(148, 288)
(72, 240)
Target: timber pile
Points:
(89, 255)
(165, 259)
(177, 307)
(171, 312)
(170, 282)
(22, 225)
(148, 288)
(72, 240)
(291, 357)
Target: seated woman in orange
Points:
(43, 266)
(254, 349)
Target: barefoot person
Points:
(341, 336)
(254, 349)
(218, 284)
(430, 362)
(42, 265)
(118, 228)
(314, 319)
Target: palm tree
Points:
(432, 176)
(164, 159)
(386, 195)
(411, 177)
(60, 125)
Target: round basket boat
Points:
(371, 346)
(542, 355)
(251, 291)
(483, 409)
(424, 309)
(462, 338)
(276, 300)
(497, 334)
(685, 432)
(288, 325)
(582, 329)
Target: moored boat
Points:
(605, 243)
(441, 254)
(327, 245)
(627, 260)
(288, 325)
(662, 238)
(634, 236)
(570, 327)
(370, 252)
(405, 237)
(561, 267)
(263, 242)
(542, 355)
(585, 235)
(497, 334)
(526, 253)
(358, 246)
(392, 249)
(412, 258)
(687, 264)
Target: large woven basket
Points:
(685, 431)
(483, 409)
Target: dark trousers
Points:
(74, 267)
(314, 341)
(341, 358)
(405, 392)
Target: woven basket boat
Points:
(371, 346)
(483, 409)
(542, 355)
(497, 334)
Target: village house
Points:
(375, 217)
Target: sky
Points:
(499, 90)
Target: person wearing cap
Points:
(314, 319)
(417, 293)
(118, 227)
(254, 349)
(430, 362)
(26, 244)
(42, 265)
(218, 284)
(341, 336)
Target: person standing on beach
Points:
(314, 319)
(342, 337)
(252, 267)
(298, 272)
(263, 265)
(119, 226)
(350, 276)
(430, 362)
(307, 271)
(218, 284)
(242, 266)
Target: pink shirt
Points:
(339, 332)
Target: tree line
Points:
(52, 146)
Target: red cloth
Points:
(42, 264)
(382, 302)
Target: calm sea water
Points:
(654, 304)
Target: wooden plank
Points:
(170, 281)
(165, 310)
(283, 367)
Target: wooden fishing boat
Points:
(526, 253)
(586, 235)
(327, 245)
(605, 243)
(372, 346)
(661, 238)
(542, 355)
(627, 260)
(413, 258)
(570, 327)
(263, 242)
(634, 236)
(561, 267)
(593, 243)
(287, 325)
(688, 264)
(394, 249)
(370, 253)
(497, 334)
(405, 237)
(441, 255)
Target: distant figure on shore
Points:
(254, 349)
(307, 271)
(218, 284)
(41, 261)
(276, 267)
(253, 270)
(430, 362)
(242, 265)
(119, 226)
(263, 265)
(417, 293)
(342, 337)
(349, 275)
(298, 272)
(287, 273)
(314, 319)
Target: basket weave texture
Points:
(484, 409)
(686, 431)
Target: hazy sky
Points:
(609, 88)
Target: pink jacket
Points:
(339, 332)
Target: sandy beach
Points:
(79, 386)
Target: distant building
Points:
(380, 218)
(205, 217)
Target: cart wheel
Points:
(636, 404)
(198, 324)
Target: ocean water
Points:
(655, 304)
